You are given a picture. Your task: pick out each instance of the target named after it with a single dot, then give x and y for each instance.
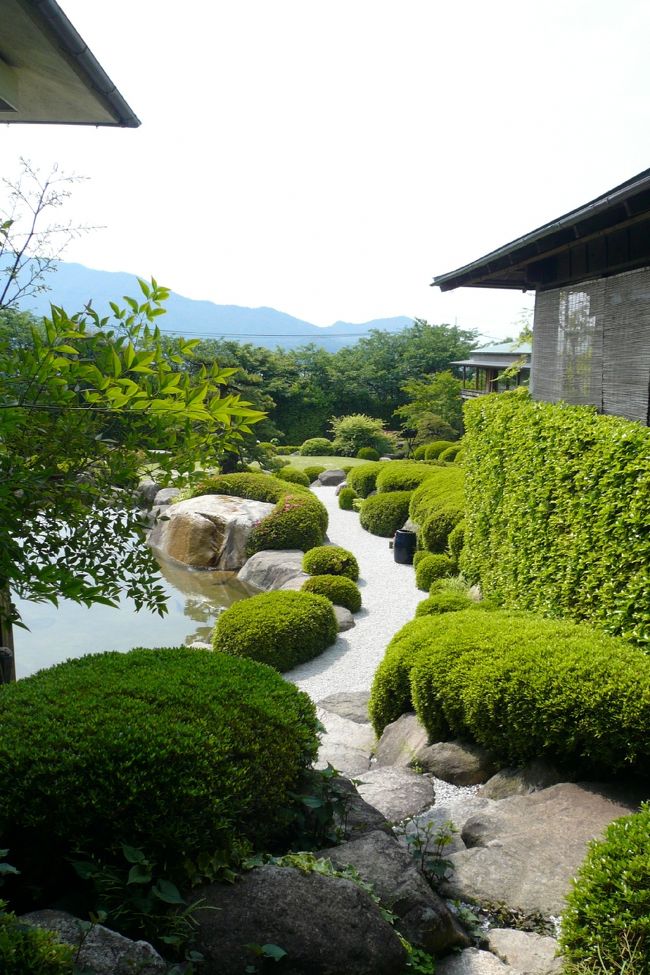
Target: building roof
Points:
(505, 348)
(48, 74)
(606, 236)
(499, 356)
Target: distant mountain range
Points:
(72, 285)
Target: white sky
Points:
(328, 158)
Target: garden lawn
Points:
(330, 463)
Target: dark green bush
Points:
(430, 567)
(606, 925)
(558, 515)
(456, 541)
(25, 950)
(282, 628)
(293, 475)
(313, 472)
(433, 450)
(317, 447)
(178, 752)
(346, 497)
(403, 475)
(338, 589)
(298, 521)
(450, 453)
(437, 528)
(285, 451)
(368, 453)
(363, 479)
(331, 560)
(446, 602)
(383, 514)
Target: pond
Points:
(195, 599)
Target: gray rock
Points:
(331, 478)
(344, 618)
(339, 487)
(398, 793)
(147, 491)
(473, 962)
(529, 953)
(348, 704)
(345, 744)
(524, 850)
(356, 816)
(385, 458)
(459, 762)
(271, 570)
(454, 811)
(522, 781)
(326, 925)
(208, 532)
(401, 741)
(296, 583)
(424, 918)
(165, 495)
(103, 952)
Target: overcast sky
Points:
(329, 158)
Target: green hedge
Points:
(331, 560)
(433, 450)
(282, 628)
(298, 521)
(338, 589)
(403, 476)
(450, 453)
(313, 472)
(175, 751)
(368, 453)
(383, 514)
(287, 450)
(346, 497)
(524, 686)
(363, 479)
(606, 925)
(26, 950)
(317, 447)
(447, 602)
(256, 487)
(443, 489)
(456, 541)
(293, 475)
(558, 518)
(431, 567)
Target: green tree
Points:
(351, 433)
(438, 394)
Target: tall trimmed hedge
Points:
(558, 518)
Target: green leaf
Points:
(139, 874)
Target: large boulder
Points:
(529, 953)
(524, 850)
(354, 816)
(398, 793)
(331, 478)
(326, 925)
(348, 704)
(345, 744)
(101, 951)
(474, 962)
(424, 918)
(273, 569)
(401, 741)
(534, 777)
(458, 762)
(208, 532)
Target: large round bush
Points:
(363, 479)
(256, 487)
(293, 475)
(338, 589)
(175, 751)
(331, 560)
(449, 602)
(403, 476)
(368, 453)
(437, 528)
(456, 541)
(282, 628)
(432, 567)
(298, 521)
(450, 453)
(444, 489)
(346, 497)
(313, 471)
(606, 926)
(433, 450)
(383, 514)
(317, 447)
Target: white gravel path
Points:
(389, 600)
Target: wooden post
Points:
(7, 659)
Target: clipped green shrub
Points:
(257, 487)
(368, 453)
(432, 566)
(293, 475)
(456, 540)
(298, 521)
(276, 463)
(331, 560)
(26, 950)
(346, 497)
(606, 924)
(346, 468)
(450, 453)
(338, 589)
(282, 628)
(443, 489)
(403, 475)
(285, 451)
(437, 528)
(419, 452)
(174, 751)
(446, 602)
(557, 511)
(419, 556)
(460, 457)
(363, 479)
(383, 514)
(317, 447)
(433, 450)
(313, 472)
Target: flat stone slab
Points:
(270, 570)
(345, 744)
(529, 953)
(524, 850)
(398, 793)
(534, 777)
(474, 962)
(348, 704)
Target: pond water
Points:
(195, 599)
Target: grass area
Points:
(329, 463)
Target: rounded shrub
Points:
(317, 447)
(331, 560)
(430, 567)
(346, 497)
(403, 476)
(363, 479)
(313, 472)
(444, 488)
(293, 475)
(256, 487)
(174, 751)
(420, 452)
(447, 602)
(346, 468)
(282, 628)
(298, 521)
(450, 453)
(460, 457)
(433, 450)
(368, 453)
(418, 556)
(606, 925)
(383, 514)
(287, 450)
(26, 950)
(338, 589)
(456, 540)
(438, 527)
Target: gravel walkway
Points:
(389, 600)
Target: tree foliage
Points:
(438, 394)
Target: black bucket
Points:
(404, 546)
